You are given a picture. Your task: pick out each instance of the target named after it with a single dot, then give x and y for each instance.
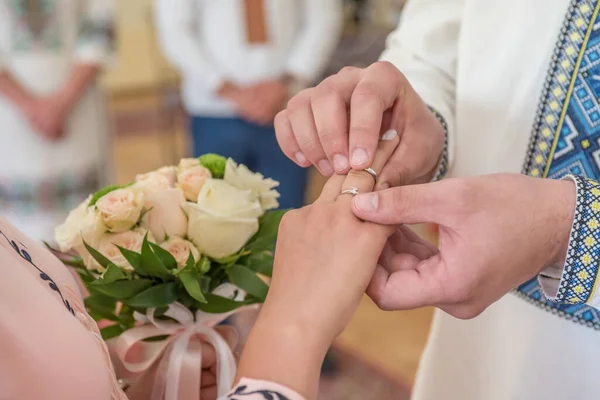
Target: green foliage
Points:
(214, 163)
(152, 263)
(267, 232)
(157, 296)
(246, 279)
(121, 290)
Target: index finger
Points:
(376, 93)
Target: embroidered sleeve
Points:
(576, 281)
(442, 167)
(96, 41)
(251, 389)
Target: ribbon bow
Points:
(180, 354)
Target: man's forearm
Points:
(10, 88)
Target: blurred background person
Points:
(53, 123)
(240, 60)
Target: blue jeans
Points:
(256, 147)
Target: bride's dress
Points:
(51, 348)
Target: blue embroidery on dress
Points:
(566, 133)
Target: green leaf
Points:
(190, 280)
(102, 306)
(135, 259)
(121, 289)
(75, 262)
(214, 163)
(85, 276)
(157, 296)
(229, 259)
(103, 192)
(246, 279)
(103, 261)
(152, 265)
(189, 263)
(261, 262)
(112, 274)
(165, 257)
(218, 304)
(267, 232)
(111, 331)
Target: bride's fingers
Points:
(332, 188)
(362, 180)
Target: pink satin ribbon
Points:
(179, 356)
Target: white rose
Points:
(181, 249)
(223, 220)
(121, 208)
(82, 223)
(151, 182)
(191, 181)
(263, 188)
(187, 163)
(130, 240)
(165, 216)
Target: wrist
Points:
(273, 346)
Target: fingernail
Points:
(389, 135)
(367, 202)
(325, 167)
(340, 162)
(300, 158)
(360, 157)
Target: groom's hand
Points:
(496, 232)
(337, 125)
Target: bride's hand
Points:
(324, 261)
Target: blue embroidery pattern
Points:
(566, 137)
(579, 278)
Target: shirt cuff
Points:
(576, 281)
(253, 389)
(442, 167)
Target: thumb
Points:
(402, 205)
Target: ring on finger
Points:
(372, 172)
(353, 191)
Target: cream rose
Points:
(121, 208)
(151, 182)
(191, 181)
(165, 216)
(130, 240)
(82, 223)
(223, 220)
(262, 188)
(170, 173)
(187, 163)
(181, 249)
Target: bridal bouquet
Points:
(170, 256)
